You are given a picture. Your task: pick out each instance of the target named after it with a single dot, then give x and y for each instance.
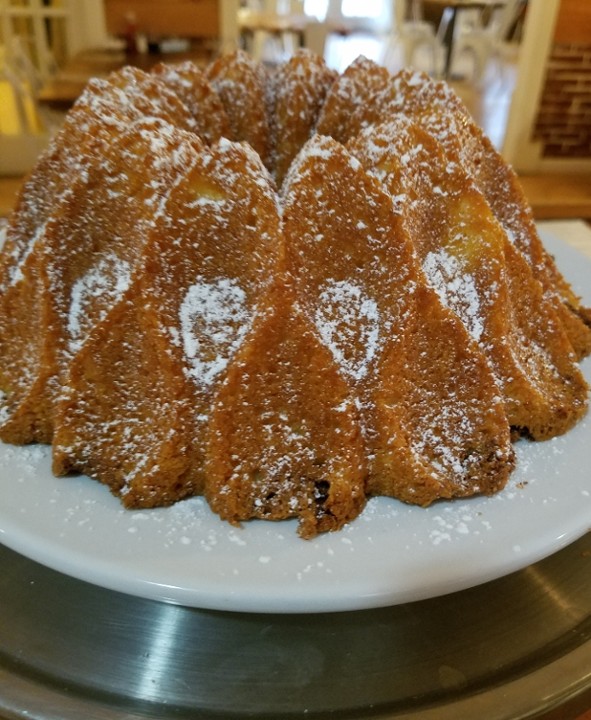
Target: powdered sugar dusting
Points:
(4, 409)
(347, 318)
(106, 281)
(451, 428)
(20, 254)
(456, 289)
(214, 320)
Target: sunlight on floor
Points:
(489, 100)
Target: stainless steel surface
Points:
(514, 648)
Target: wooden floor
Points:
(551, 196)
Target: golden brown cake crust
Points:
(366, 95)
(441, 112)
(480, 274)
(297, 92)
(190, 84)
(409, 360)
(201, 268)
(175, 325)
(284, 437)
(241, 84)
(76, 266)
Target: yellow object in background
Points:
(11, 120)
(9, 117)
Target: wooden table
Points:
(64, 89)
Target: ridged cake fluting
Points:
(284, 290)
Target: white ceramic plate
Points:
(391, 554)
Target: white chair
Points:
(24, 82)
(483, 42)
(37, 21)
(273, 27)
(19, 60)
(410, 34)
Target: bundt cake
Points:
(284, 290)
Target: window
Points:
(38, 29)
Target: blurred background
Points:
(523, 67)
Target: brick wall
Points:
(563, 125)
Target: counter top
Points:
(559, 195)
